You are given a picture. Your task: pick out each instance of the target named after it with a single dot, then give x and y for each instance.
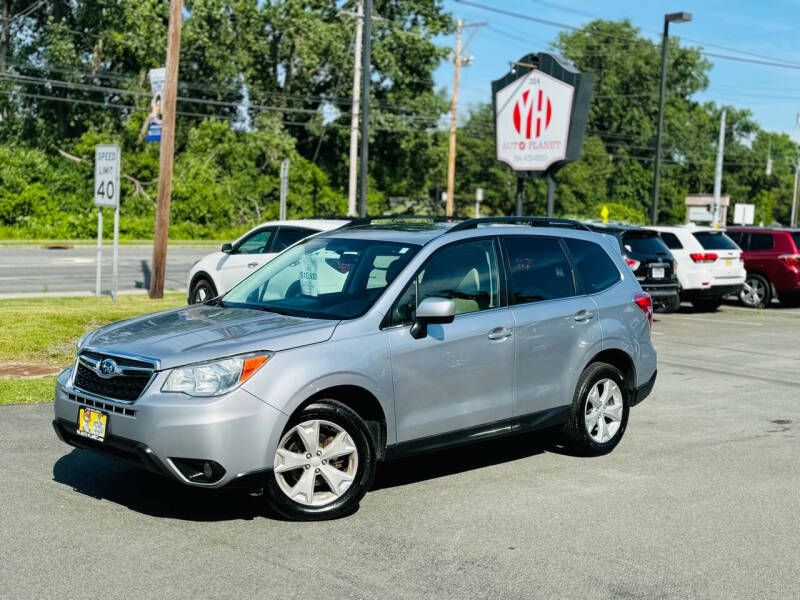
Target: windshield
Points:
(323, 278)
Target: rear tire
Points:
(599, 413)
(324, 464)
(670, 305)
(756, 291)
(202, 290)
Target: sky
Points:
(768, 28)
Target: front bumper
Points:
(169, 433)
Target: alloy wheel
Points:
(603, 411)
(753, 292)
(316, 462)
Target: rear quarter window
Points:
(714, 240)
(796, 238)
(671, 240)
(595, 269)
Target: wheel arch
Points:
(621, 360)
(361, 401)
(202, 275)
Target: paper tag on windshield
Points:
(308, 275)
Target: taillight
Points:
(705, 257)
(645, 302)
(633, 264)
(741, 256)
(791, 260)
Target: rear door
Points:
(555, 326)
(728, 265)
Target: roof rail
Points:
(388, 219)
(532, 221)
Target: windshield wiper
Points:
(215, 302)
(275, 310)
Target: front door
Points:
(245, 258)
(459, 376)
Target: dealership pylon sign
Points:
(541, 109)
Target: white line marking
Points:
(718, 321)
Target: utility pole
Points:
(793, 219)
(366, 60)
(460, 61)
(352, 188)
(718, 171)
(5, 35)
(451, 159)
(167, 150)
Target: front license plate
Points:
(728, 262)
(92, 424)
(658, 273)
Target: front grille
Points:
(127, 387)
(111, 408)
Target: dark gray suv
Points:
(381, 339)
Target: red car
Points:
(772, 260)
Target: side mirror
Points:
(226, 248)
(432, 310)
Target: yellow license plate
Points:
(92, 424)
(728, 262)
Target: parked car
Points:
(710, 264)
(387, 341)
(650, 260)
(772, 260)
(218, 272)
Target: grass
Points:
(106, 241)
(45, 331)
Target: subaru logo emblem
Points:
(108, 366)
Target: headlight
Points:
(214, 378)
(82, 339)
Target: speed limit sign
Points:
(106, 176)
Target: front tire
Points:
(324, 464)
(599, 413)
(202, 290)
(756, 291)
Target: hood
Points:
(199, 332)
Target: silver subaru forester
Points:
(377, 340)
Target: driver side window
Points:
(467, 273)
(257, 243)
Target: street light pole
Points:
(366, 75)
(679, 17)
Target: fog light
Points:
(199, 470)
(208, 471)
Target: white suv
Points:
(218, 272)
(710, 265)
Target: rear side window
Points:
(714, 240)
(642, 243)
(762, 241)
(671, 240)
(595, 268)
(539, 269)
(738, 237)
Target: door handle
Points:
(583, 315)
(499, 333)
(251, 265)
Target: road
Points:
(33, 269)
(700, 500)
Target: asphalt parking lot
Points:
(700, 500)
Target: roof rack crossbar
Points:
(366, 221)
(531, 221)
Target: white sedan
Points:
(218, 272)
